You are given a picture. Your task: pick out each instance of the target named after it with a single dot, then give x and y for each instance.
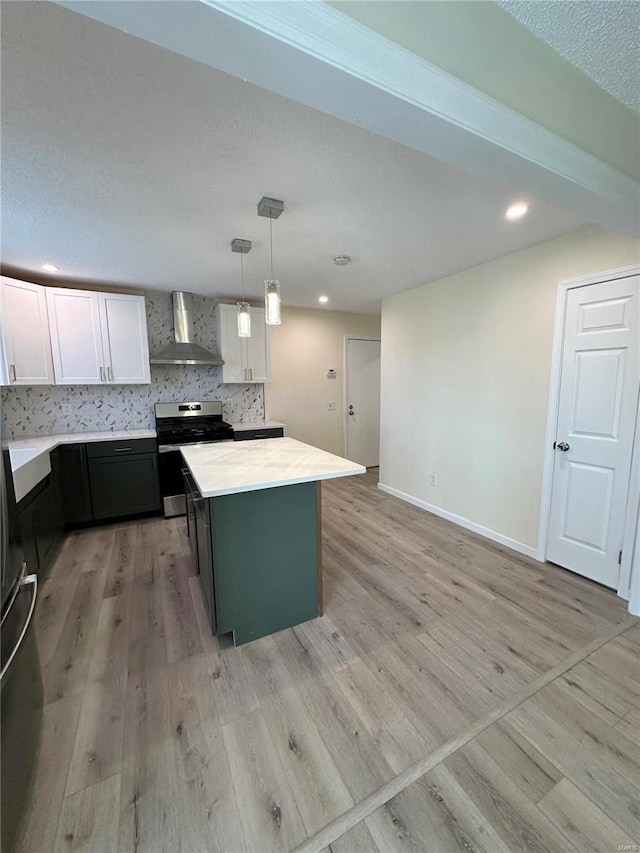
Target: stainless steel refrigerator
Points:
(21, 696)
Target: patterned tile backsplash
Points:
(51, 409)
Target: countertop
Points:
(246, 466)
(24, 450)
(246, 425)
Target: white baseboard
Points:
(527, 550)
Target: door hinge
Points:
(619, 558)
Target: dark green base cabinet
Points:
(123, 482)
(106, 480)
(73, 479)
(258, 558)
(41, 522)
(88, 482)
(40, 532)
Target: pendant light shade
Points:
(271, 208)
(273, 314)
(244, 315)
(244, 320)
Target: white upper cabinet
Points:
(123, 323)
(26, 349)
(98, 338)
(230, 346)
(246, 360)
(258, 347)
(76, 337)
(64, 336)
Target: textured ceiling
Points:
(600, 37)
(124, 163)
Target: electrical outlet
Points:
(433, 479)
(331, 406)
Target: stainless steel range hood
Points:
(184, 349)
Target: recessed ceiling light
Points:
(342, 260)
(323, 299)
(49, 267)
(517, 210)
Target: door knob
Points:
(562, 445)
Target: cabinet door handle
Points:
(102, 374)
(109, 374)
(12, 373)
(251, 373)
(122, 449)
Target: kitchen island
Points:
(253, 509)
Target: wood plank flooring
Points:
(159, 737)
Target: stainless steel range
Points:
(179, 424)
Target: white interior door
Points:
(599, 381)
(363, 401)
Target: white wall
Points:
(465, 380)
(303, 348)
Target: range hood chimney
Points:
(184, 349)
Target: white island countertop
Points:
(246, 466)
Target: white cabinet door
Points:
(76, 339)
(231, 347)
(25, 334)
(123, 323)
(258, 347)
(246, 360)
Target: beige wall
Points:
(465, 380)
(303, 348)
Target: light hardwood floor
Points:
(455, 696)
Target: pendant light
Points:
(244, 317)
(272, 208)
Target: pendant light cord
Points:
(242, 273)
(271, 243)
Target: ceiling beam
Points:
(316, 55)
